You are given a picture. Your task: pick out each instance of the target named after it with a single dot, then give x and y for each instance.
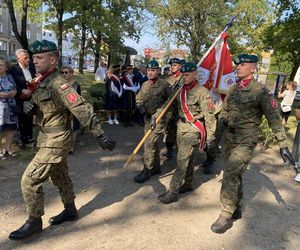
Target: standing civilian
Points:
(23, 72)
(8, 120)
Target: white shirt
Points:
(100, 74)
(26, 73)
(288, 97)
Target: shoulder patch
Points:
(72, 98)
(211, 105)
(64, 86)
(274, 103)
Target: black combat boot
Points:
(237, 214)
(155, 171)
(168, 197)
(68, 214)
(170, 151)
(31, 226)
(221, 225)
(143, 176)
(186, 187)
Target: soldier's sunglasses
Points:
(65, 72)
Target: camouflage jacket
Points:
(200, 105)
(152, 96)
(56, 100)
(173, 80)
(244, 108)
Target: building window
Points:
(3, 45)
(28, 34)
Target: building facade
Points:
(8, 41)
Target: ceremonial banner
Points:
(215, 71)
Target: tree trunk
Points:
(82, 47)
(97, 51)
(294, 71)
(59, 16)
(21, 38)
(108, 59)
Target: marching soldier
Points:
(149, 99)
(171, 127)
(195, 126)
(52, 102)
(243, 108)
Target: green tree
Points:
(284, 35)
(104, 24)
(55, 16)
(195, 24)
(25, 9)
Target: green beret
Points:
(43, 46)
(175, 60)
(188, 67)
(153, 64)
(245, 58)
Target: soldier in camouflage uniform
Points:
(53, 102)
(151, 97)
(171, 128)
(196, 123)
(243, 108)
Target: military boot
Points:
(237, 214)
(143, 176)
(221, 225)
(186, 187)
(31, 226)
(168, 197)
(68, 214)
(170, 151)
(155, 171)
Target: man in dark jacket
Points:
(23, 72)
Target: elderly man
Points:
(23, 72)
(196, 124)
(243, 108)
(53, 102)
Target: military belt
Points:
(54, 129)
(182, 119)
(242, 130)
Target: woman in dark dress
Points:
(128, 97)
(113, 94)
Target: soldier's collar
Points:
(153, 81)
(48, 77)
(176, 74)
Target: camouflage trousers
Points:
(237, 157)
(48, 163)
(187, 144)
(151, 149)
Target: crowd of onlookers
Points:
(17, 83)
(122, 83)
